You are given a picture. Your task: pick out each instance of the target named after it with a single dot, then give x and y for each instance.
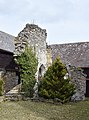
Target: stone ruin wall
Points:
(49, 56)
(10, 80)
(36, 38)
(78, 78)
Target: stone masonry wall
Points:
(78, 78)
(72, 54)
(10, 80)
(36, 38)
(49, 56)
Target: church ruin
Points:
(73, 54)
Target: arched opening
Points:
(41, 72)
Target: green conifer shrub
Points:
(28, 67)
(54, 85)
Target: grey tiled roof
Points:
(76, 54)
(7, 42)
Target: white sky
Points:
(66, 21)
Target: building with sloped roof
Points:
(8, 68)
(7, 42)
(74, 54)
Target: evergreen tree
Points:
(54, 85)
(28, 67)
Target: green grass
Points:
(27, 110)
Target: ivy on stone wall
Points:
(28, 67)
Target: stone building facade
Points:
(8, 70)
(78, 78)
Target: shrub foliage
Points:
(28, 67)
(54, 85)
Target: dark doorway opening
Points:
(19, 79)
(41, 72)
(86, 71)
(87, 88)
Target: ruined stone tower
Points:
(36, 38)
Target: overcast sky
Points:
(66, 21)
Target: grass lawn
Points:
(28, 110)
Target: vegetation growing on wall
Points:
(28, 67)
(1, 87)
(54, 85)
